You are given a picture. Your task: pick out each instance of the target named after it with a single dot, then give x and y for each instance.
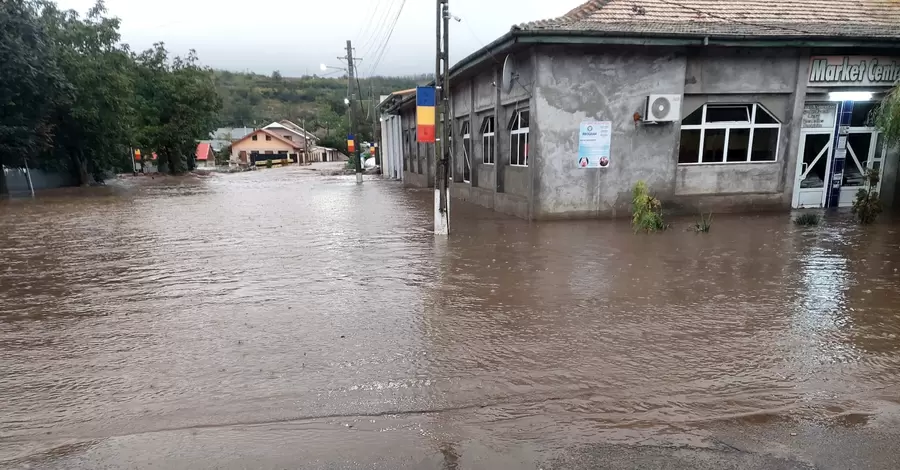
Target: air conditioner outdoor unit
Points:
(663, 108)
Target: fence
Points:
(17, 180)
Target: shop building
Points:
(716, 105)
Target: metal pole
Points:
(28, 175)
(355, 152)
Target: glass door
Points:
(865, 151)
(812, 169)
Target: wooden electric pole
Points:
(306, 155)
(355, 152)
(442, 93)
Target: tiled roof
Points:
(203, 150)
(732, 18)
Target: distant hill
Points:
(253, 100)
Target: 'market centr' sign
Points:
(853, 71)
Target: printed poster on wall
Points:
(594, 139)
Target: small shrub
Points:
(268, 163)
(704, 224)
(867, 205)
(646, 210)
(807, 219)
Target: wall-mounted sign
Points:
(819, 116)
(843, 71)
(594, 139)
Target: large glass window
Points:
(518, 138)
(487, 140)
(729, 133)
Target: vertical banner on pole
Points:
(425, 115)
(351, 143)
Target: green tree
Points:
(887, 116)
(93, 124)
(178, 105)
(30, 84)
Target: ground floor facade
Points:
(713, 129)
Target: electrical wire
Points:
(367, 25)
(379, 55)
(378, 35)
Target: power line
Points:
(378, 34)
(380, 55)
(367, 23)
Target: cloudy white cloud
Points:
(295, 36)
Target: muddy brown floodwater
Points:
(278, 319)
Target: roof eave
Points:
(649, 38)
(556, 36)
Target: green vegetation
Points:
(807, 219)
(704, 224)
(72, 98)
(268, 163)
(867, 205)
(887, 116)
(251, 100)
(646, 210)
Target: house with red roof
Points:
(264, 145)
(205, 157)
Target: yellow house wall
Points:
(261, 146)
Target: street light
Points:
(347, 101)
(326, 67)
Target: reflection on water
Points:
(277, 296)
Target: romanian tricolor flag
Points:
(351, 143)
(425, 113)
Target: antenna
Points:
(509, 73)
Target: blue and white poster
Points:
(594, 140)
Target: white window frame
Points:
(486, 137)
(728, 126)
(467, 137)
(516, 130)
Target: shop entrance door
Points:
(813, 168)
(865, 151)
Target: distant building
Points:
(326, 154)
(205, 157)
(294, 133)
(717, 106)
(263, 145)
(224, 136)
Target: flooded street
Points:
(279, 319)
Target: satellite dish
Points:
(509, 73)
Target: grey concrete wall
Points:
(574, 85)
(577, 84)
(731, 178)
(734, 70)
(419, 169)
(518, 181)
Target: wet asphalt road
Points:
(283, 319)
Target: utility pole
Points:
(306, 157)
(442, 92)
(355, 152)
(375, 127)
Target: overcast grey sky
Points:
(295, 36)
